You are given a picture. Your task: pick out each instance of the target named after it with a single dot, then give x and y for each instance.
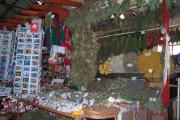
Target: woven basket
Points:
(100, 112)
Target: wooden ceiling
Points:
(13, 12)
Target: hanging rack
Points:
(125, 33)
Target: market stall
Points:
(96, 59)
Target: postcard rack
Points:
(28, 62)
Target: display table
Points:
(66, 114)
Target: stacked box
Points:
(28, 62)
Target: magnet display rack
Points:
(6, 54)
(28, 62)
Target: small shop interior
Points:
(89, 59)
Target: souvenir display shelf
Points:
(28, 62)
(6, 53)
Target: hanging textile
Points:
(166, 39)
(67, 42)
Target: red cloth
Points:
(67, 42)
(165, 96)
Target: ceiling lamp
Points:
(122, 16)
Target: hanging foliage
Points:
(121, 44)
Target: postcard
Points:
(27, 51)
(27, 62)
(19, 56)
(35, 63)
(26, 80)
(35, 57)
(26, 68)
(19, 62)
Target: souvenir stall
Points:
(89, 59)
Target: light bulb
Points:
(39, 2)
(122, 16)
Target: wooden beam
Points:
(23, 17)
(59, 10)
(65, 2)
(38, 7)
(30, 12)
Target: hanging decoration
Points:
(153, 39)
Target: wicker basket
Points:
(100, 112)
